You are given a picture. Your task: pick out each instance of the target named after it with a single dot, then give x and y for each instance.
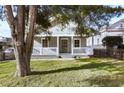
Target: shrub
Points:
(121, 46)
(111, 41)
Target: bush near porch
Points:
(75, 73)
(111, 41)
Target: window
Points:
(45, 43)
(76, 43)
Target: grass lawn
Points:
(84, 72)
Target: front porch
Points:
(61, 46)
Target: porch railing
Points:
(54, 51)
(82, 51)
(44, 51)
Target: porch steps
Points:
(65, 55)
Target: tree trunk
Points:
(21, 68)
(23, 44)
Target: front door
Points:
(64, 46)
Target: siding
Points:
(53, 42)
(83, 42)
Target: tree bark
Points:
(31, 32)
(23, 47)
(21, 68)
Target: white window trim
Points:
(79, 42)
(64, 38)
(47, 42)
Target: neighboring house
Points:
(5, 41)
(4, 44)
(61, 42)
(116, 29)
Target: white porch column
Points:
(41, 47)
(92, 41)
(72, 45)
(57, 45)
(123, 38)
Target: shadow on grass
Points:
(88, 60)
(86, 66)
(2, 62)
(107, 81)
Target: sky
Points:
(5, 31)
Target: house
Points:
(116, 29)
(62, 42)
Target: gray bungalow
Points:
(61, 42)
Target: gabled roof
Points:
(117, 25)
(68, 30)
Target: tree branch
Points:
(21, 23)
(10, 19)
